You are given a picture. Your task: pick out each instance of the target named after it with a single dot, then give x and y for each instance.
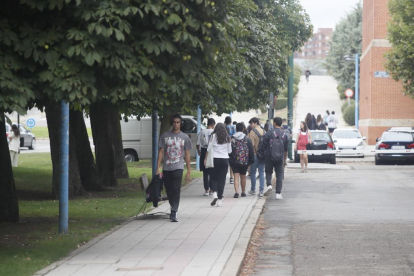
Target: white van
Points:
(137, 136)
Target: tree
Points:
(346, 40)
(400, 59)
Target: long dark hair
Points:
(308, 119)
(16, 130)
(221, 133)
(305, 127)
(319, 119)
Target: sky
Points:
(327, 13)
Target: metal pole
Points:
(64, 169)
(18, 119)
(290, 101)
(154, 141)
(270, 112)
(357, 91)
(198, 131)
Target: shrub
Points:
(349, 115)
(281, 103)
(345, 105)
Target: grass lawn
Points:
(43, 132)
(34, 242)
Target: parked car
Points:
(348, 139)
(27, 138)
(321, 140)
(137, 136)
(391, 140)
(8, 129)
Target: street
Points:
(354, 221)
(43, 145)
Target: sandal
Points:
(236, 195)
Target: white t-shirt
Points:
(219, 150)
(332, 121)
(14, 142)
(204, 137)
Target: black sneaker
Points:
(213, 203)
(236, 195)
(243, 195)
(173, 216)
(231, 181)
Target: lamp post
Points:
(356, 59)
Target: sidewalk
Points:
(206, 241)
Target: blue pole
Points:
(357, 91)
(198, 131)
(154, 141)
(64, 169)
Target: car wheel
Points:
(33, 144)
(130, 156)
(333, 160)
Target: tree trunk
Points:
(165, 123)
(102, 131)
(9, 207)
(86, 162)
(53, 116)
(121, 168)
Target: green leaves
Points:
(173, 19)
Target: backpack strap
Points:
(257, 133)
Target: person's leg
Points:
(269, 172)
(301, 156)
(305, 157)
(243, 183)
(236, 183)
(173, 186)
(214, 176)
(261, 167)
(253, 169)
(231, 175)
(279, 176)
(224, 163)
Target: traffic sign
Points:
(30, 123)
(349, 93)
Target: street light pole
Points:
(357, 91)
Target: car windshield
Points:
(397, 136)
(320, 136)
(347, 134)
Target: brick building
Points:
(382, 103)
(317, 47)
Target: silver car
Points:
(348, 139)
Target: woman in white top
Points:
(14, 145)
(220, 147)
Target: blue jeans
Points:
(257, 165)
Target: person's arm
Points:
(188, 161)
(160, 157)
(198, 143)
(297, 141)
(310, 137)
(251, 151)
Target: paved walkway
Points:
(206, 241)
(317, 96)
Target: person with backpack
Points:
(275, 146)
(256, 136)
(202, 144)
(231, 130)
(320, 123)
(332, 121)
(220, 147)
(325, 118)
(242, 155)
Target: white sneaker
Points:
(219, 203)
(231, 181)
(267, 190)
(279, 196)
(261, 195)
(252, 192)
(206, 194)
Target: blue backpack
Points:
(231, 130)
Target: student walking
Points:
(320, 123)
(202, 144)
(307, 74)
(242, 155)
(304, 138)
(174, 146)
(275, 143)
(256, 135)
(231, 130)
(325, 118)
(14, 146)
(309, 122)
(332, 121)
(220, 147)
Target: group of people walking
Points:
(222, 146)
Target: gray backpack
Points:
(277, 147)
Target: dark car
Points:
(391, 140)
(321, 140)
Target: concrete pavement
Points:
(206, 241)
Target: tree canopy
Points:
(400, 59)
(346, 40)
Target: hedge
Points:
(349, 115)
(281, 103)
(345, 105)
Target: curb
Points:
(235, 262)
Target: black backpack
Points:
(277, 147)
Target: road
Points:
(43, 145)
(354, 221)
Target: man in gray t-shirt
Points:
(174, 146)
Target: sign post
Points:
(349, 93)
(30, 123)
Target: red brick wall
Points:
(365, 88)
(367, 23)
(381, 17)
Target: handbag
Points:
(308, 146)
